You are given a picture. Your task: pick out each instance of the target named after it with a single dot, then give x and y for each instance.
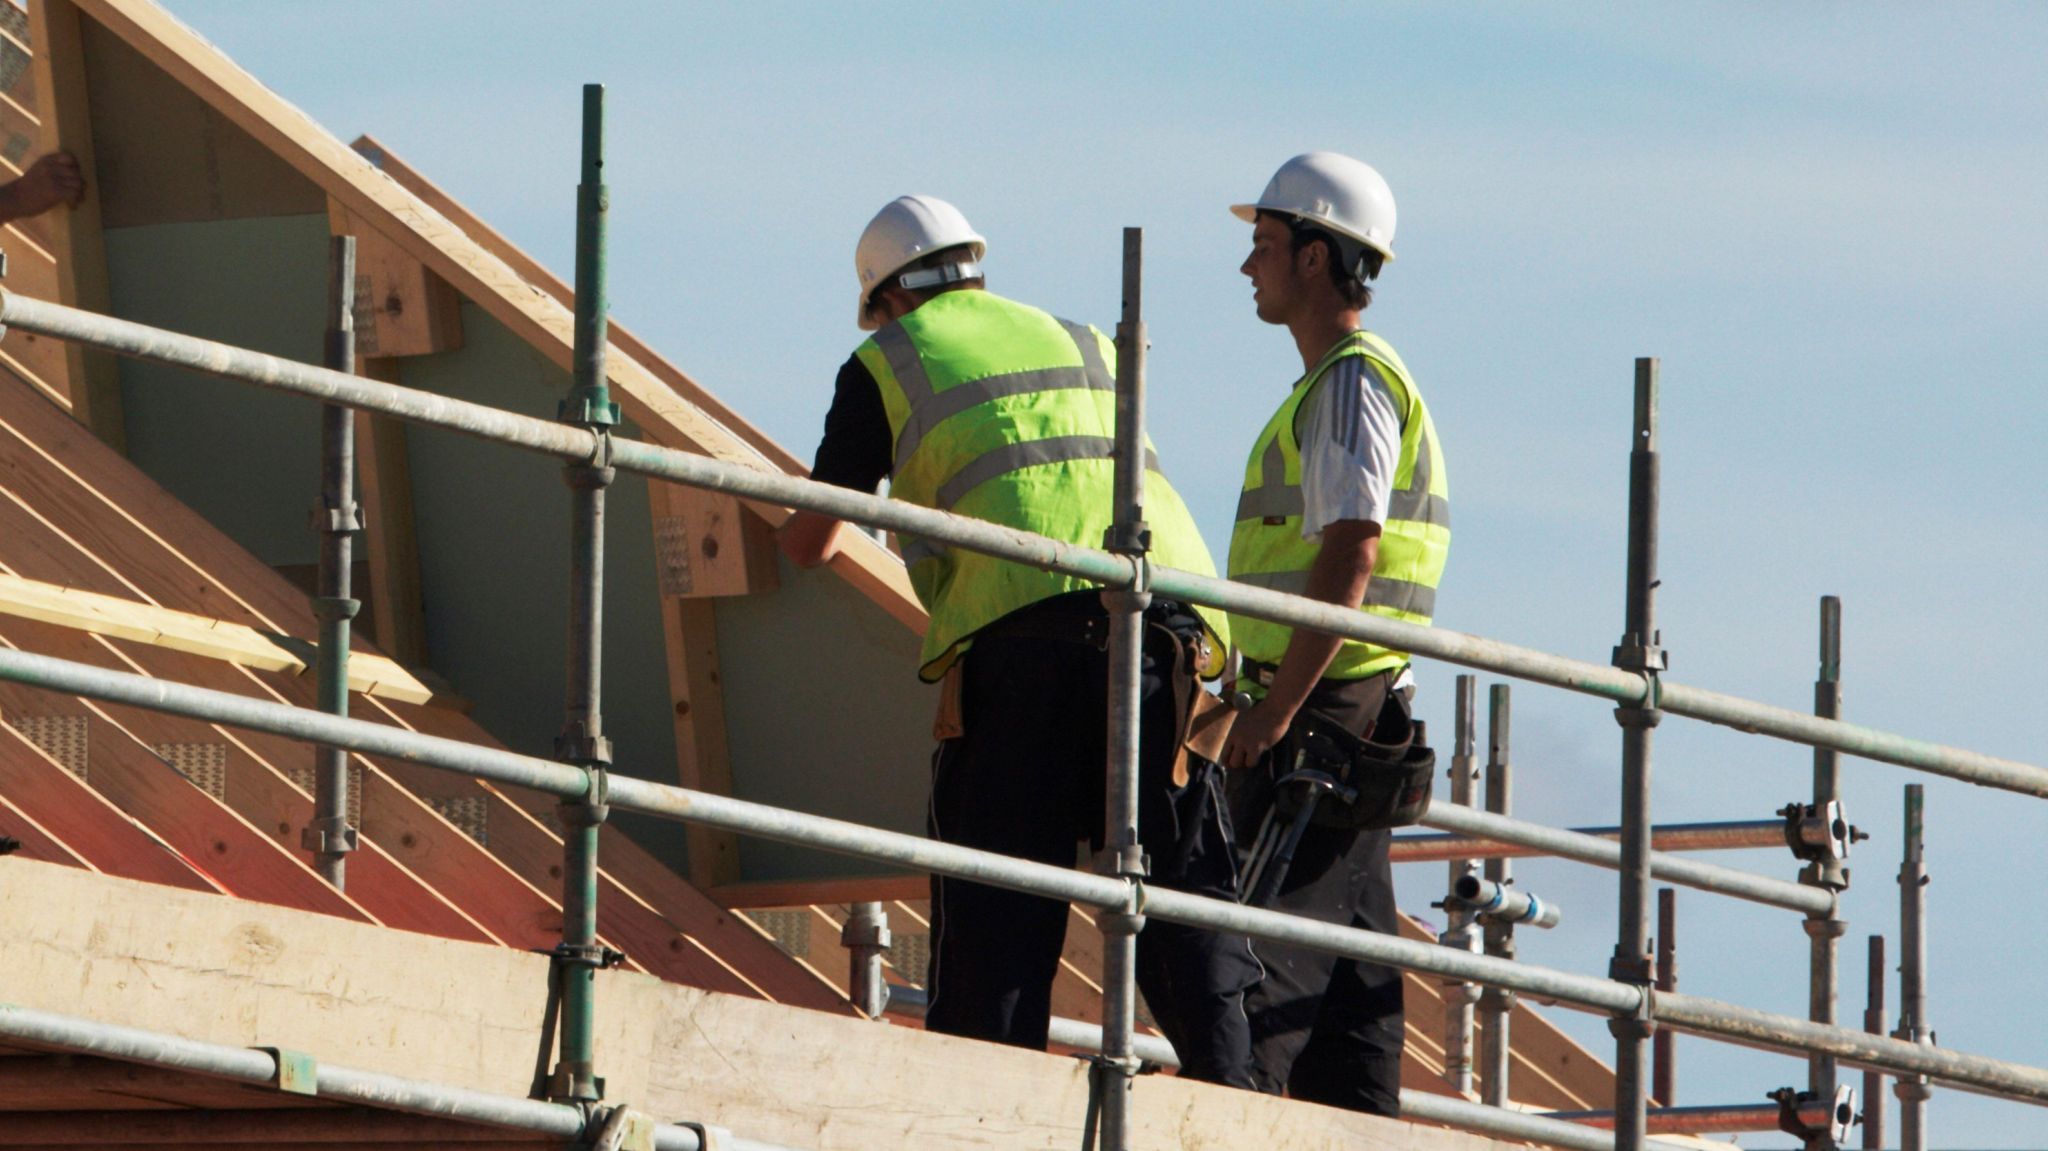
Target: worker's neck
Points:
(1317, 333)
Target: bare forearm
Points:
(1341, 571)
(810, 539)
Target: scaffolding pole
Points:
(339, 1084)
(1873, 1022)
(1641, 653)
(1726, 1021)
(1601, 852)
(866, 939)
(758, 482)
(1664, 1048)
(1718, 835)
(1825, 870)
(1123, 858)
(337, 518)
(1497, 1004)
(1912, 1089)
(582, 742)
(1460, 997)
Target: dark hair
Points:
(1354, 288)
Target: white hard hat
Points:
(907, 228)
(1331, 191)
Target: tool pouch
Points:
(1390, 781)
(947, 724)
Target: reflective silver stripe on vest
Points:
(1269, 503)
(902, 356)
(1275, 498)
(929, 409)
(915, 549)
(1013, 457)
(1394, 594)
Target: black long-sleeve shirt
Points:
(855, 452)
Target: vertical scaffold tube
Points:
(1912, 1089)
(1664, 1047)
(1123, 857)
(582, 741)
(1873, 1022)
(1497, 1004)
(1639, 651)
(1459, 996)
(866, 939)
(1825, 931)
(329, 837)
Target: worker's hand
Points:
(52, 180)
(1255, 732)
(809, 539)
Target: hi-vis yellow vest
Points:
(1008, 414)
(1266, 548)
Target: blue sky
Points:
(1826, 219)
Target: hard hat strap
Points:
(943, 274)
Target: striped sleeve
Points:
(1350, 448)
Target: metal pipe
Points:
(1123, 857)
(1415, 1105)
(1522, 1126)
(1587, 848)
(1496, 1004)
(332, 1082)
(1817, 1114)
(1639, 652)
(1824, 932)
(1509, 905)
(1727, 1021)
(329, 837)
(1912, 1089)
(1460, 997)
(757, 482)
(1873, 1022)
(866, 937)
(1664, 1046)
(1723, 835)
(582, 741)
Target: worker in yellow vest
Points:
(1345, 500)
(974, 404)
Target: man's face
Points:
(1273, 268)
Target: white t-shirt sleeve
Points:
(1350, 448)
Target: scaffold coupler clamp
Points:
(1649, 660)
(710, 1137)
(1794, 1106)
(330, 836)
(619, 1129)
(1642, 1022)
(865, 929)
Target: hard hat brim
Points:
(1249, 213)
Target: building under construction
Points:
(301, 848)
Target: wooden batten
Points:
(697, 699)
(91, 382)
(390, 534)
(401, 308)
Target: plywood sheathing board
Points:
(114, 516)
(91, 382)
(463, 1015)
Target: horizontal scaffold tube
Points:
(333, 1083)
(1689, 1013)
(1733, 835)
(1607, 853)
(758, 482)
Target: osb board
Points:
(463, 1014)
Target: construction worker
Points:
(982, 406)
(1345, 500)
